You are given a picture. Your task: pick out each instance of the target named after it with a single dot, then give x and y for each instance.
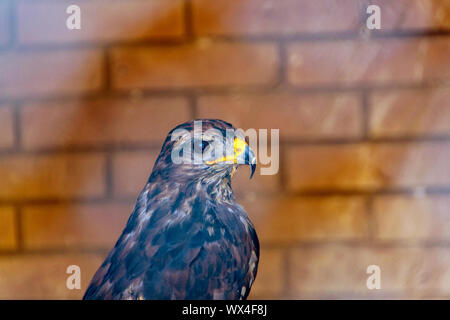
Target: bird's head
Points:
(204, 148)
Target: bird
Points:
(187, 237)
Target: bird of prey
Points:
(187, 237)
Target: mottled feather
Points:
(187, 238)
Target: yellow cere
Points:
(239, 147)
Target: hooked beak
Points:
(242, 155)
(250, 159)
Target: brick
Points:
(44, 276)
(407, 272)
(254, 17)
(191, 65)
(52, 176)
(245, 188)
(102, 121)
(369, 62)
(54, 72)
(412, 218)
(322, 167)
(297, 116)
(6, 127)
(288, 219)
(73, 226)
(367, 167)
(4, 23)
(8, 227)
(101, 21)
(270, 277)
(414, 14)
(410, 112)
(131, 171)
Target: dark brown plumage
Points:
(187, 238)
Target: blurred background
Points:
(364, 119)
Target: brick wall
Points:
(364, 119)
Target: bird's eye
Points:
(205, 145)
(201, 145)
